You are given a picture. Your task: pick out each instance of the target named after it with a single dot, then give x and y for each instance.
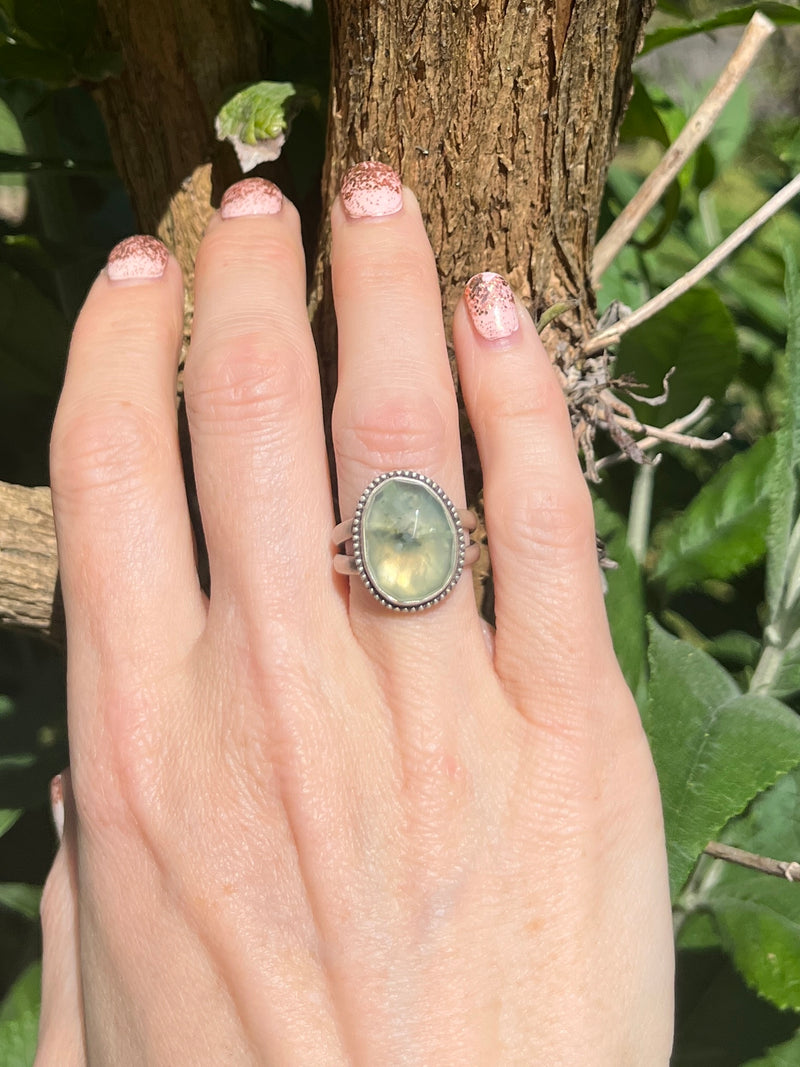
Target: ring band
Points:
(410, 543)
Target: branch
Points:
(789, 869)
(676, 427)
(29, 598)
(692, 277)
(693, 133)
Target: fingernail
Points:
(251, 196)
(137, 258)
(491, 306)
(370, 190)
(57, 805)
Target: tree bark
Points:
(502, 117)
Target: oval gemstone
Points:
(409, 541)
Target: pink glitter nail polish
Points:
(137, 258)
(370, 190)
(491, 307)
(251, 196)
(57, 805)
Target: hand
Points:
(302, 828)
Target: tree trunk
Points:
(503, 119)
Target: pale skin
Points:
(302, 829)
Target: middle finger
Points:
(395, 407)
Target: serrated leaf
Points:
(21, 898)
(256, 121)
(781, 14)
(723, 530)
(696, 335)
(714, 747)
(759, 916)
(783, 482)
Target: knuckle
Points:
(523, 406)
(115, 446)
(391, 271)
(550, 519)
(391, 432)
(248, 379)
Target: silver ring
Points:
(407, 541)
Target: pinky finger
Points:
(61, 1037)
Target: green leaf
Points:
(8, 816)
(642, 119)
(24, 995)
(714, 747)
(22, 898)
(696, 335)
(783, 483)
(781, 14)
(19, 1020)
(256, 120)
(785, 1055)
(787, 679)
(624, 599)
(759, 916)
(45, 64)
(723, 530)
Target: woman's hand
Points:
(302, 828)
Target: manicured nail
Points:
(137, 259)
(370, 190)
(491, 306)
(252, 196)
(57, 804)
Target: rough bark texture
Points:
(28, 568)
(503, 118)
(180, 57)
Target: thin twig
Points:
(788, 869)
(678, 426)
(693, 133)
(664, 433)
(692, 277)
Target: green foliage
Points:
(722, 564)
(715, 747)
(723, 529)
(19, 1020)
(781, 14)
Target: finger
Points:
(549, 606)
(61, 1038)
(125, 543)
(253, 402)
(395, 406)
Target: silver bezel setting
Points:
(356, 535)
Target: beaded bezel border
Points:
(360, 564)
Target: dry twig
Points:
(695, 131)
(788, 869)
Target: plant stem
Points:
(641, 507)
(692, 277)
(759, 29)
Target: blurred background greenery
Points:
(62, 207)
